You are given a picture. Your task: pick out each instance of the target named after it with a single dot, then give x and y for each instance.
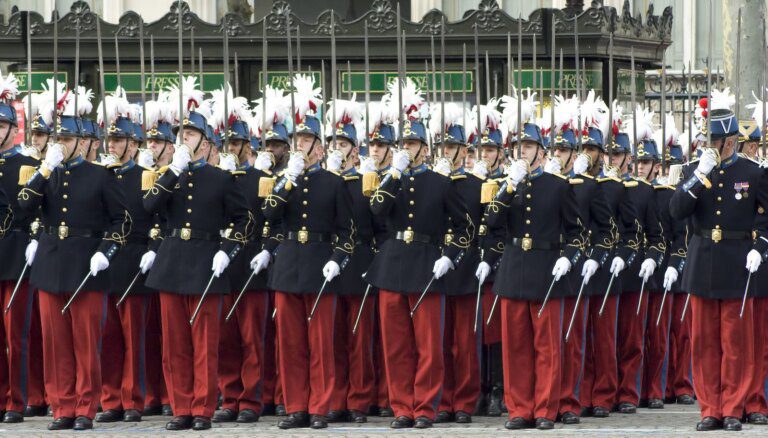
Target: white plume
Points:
(192, 97)
(566, 113)
(757, 111)
(380, 113)
(509, 109)
(307, 98)
(413, 98)
(453, 116)
(644, 123)
(116, 105)
(722, 99)
(9, 87)
(490, 118)
(594, 113)
(47, 107)
(237, 108)
(277, 110)
(84, 105)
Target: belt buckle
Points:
(186, 234)
(303, 236)
(527, 243)
(408, 236)
(717, 235)
(63, 232)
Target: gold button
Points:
(409, 227)
(412, 202)
(304, 215)
(306, 190)
(722, 172)
(66, 183)
(410, 215)
(1, 173)
(527, 208)
(527, 221)
(411, 178)
(527, 235)
(528, 196)
(187, 224)
(717, 227)
(719, 198)
(189, 210)
(304, 202)
(717, 212)
(190, 185)
(411, 189)
(306, 178)
(64, 209)
(720, 185)
(190, 173)
(66, 172)
(304, 228)
(66, 196)
(63, 223)
(119, 176)
(189, 197)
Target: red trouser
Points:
(756, 397)
(461, 355)
(492, 332)
(157, 394)
(679, 371)
(656, 361)
(382, 392)
(722, 345)
(122, 353)
(531, 354)
(413, 352)
(190, 352)
(14, 345)
(598, 388)
(355, 377)
(71, 345)
(573, 355)
(241, 352)
(36, 379)
(305, 358)
(270, 360)
(629, 351)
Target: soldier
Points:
(91, 141)
(420, 251)
(84, 216)
(198, 202)
(275, 140)
(724, 197)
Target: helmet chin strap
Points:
(7, 134)
(568, 161)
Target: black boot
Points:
(318, 422)
(294, 420)
(401, 422)
(132, 416)
(110, 416)
(201, 423)
(82, 423)
(225, 416)
(62, 423)
(181, 422)
(247, 416)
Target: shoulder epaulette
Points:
(559, 175)
(609, 178)
(458, 177)
(148, 179)
(237, 172)
(630, 183)
(663, 187)
(25, 174)
(641, 180)
(163, 169)
(575, 181)
(351, 177)
(586, 175)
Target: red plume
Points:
(704, 102)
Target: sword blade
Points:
(575, 309)
(360, 311)
(493, 307)
(744, 300)
(317, 300)
(477, 305)
(661, 307)
(77, 291)
(605, 298)
(202, 298)
(546, 297)
(423, 294)
(640, 298)
(240, 296)
(130, 286)
(685, 307)
(21, 277)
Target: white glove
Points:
(263, 161)
(707, 161)
(612, 172)
(617, 265)
(589, 269)
(146, 159)
(670, 277)
(442, 266)
(54, 156)
(367, 165)
(147, 260)
(581, 164)
(220, 263)
(334, 161)
(227, 162)
(517, 171)
(443, 166)
(261, 261)
(99, 263)
(562, 266)
(401, 160)
(754, 259)
(331, 270)
(295, 167)
(481, 169)
(553, 166)
(483, 269)
(180, 162)
(647, 268)
(29, 253)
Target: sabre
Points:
(534, 70)
(143, 84)
(117, 61)
(77, 291)
(130, 286)
(709, 73)
(605, 298)
(240, 296)
(423, 294)
(192, 52)
(640, 299)
(493, 307)
(546, 297)
(663, 109)
(152, 65)
(477, 306)
(290, 75)
(28, 119)
(400, 81)
(298, 49)
(738, 64)
(77, 63)
(367, 88)
(237, 75)
(264, 50)
(360, 312)
(180, 21)
(744, 300)
(442, 87)
(762, 89)
(200, 75)
(21, 276)
(575, 309)
(102, 90)
(552, 87)
(202, 298)
(634, 104)
(685, 307)
(609, 139)
(434, 69)
(317, 300)
(56, 70)
(519, 86)
(334, 97)
(477, 86)
(464, 86)
(226, 86)
(661, 308)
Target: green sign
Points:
(281, 79)
(590, 79)
(38, 79)
(624, 84)
(131, 81)
(455, 81)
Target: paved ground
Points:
(674, 420)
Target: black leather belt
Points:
(306, 236)
(409, 236)
(717, 234)
(188, 234)
(64, 231)
(527, 243)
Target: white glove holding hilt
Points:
(331, 270)
(442, 266)
(220, 263)
(518, 170)
(589, 269)
(707, 161)
(147, 261)
(581, 164)
(263, 161)
(180, 161)
(647, 268)
(482, 272)
(295, 166)
(562, 266)
(54, 156)
(261, 261)
(670, 277)
(30, 251)
(99, 262)
(553, 166)
(480, 169)
(367, 165)
(146, 159)
(401, 160)
(617, 265)
(335, 161)
(227, 162)
(754, 260)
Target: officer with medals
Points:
(85, 222)
(724, 197)
(198, 201)
(544, 239)
(319, 238)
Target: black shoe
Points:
(422, 423)
(82, 423)
(570, 418)
(544, 424)
(463, 417)
(516, 423)
(201, 423)
(151, 411)
(685, 399)
(109, 416)
(337, 416)
(294, 420)
(443, 417)
(318, 422)
(586, 412)
(132, 416)
(358, 416)
(36, 411)
(401, 422)
(753, 418)
(600, 412)
(61, 423)
(181, 422)
(280, 411)
(247, 416)
(386, 412)
(709, 423)
(167, 411)
(268, 409)
(494, 402)
(13, 417)
(225, 416)
(627, 408)
(655, 403)
(731, 424)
